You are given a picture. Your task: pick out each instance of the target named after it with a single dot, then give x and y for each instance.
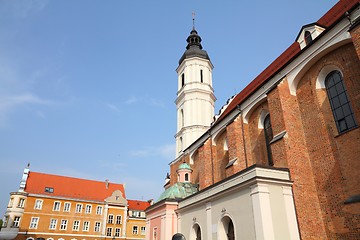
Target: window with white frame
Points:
(56, 206)
(21, 203)
(16, 222)
(111, 218)
(117, 232)
(53, 223)
(88, 209)
(76, 225)
(97, 226)
(143, 230)
(5, 221)
(67, 207)
(99, 210)
(135, 213)
(135, 230)
(78, 208)
(86, 226)
(118, 219)
(34, 223)
(109, 232)
(38, 204)
(63, 224)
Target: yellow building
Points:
(55, 207)
(136, 225)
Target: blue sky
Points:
(87, 88)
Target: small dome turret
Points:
(184, 166)
(184, 172)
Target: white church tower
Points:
(195, 97)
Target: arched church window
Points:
(268, 137)
(308, 38)
(182, 80)
(339, 102)
(186, 177)
(230, 232)
(201, 76)
(198, 234)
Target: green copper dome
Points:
(184, 166)
(179, 191)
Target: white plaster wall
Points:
(259, 209)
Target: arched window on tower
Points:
(181, 144)
(339, 102)
(186, 177)
(268, 137)
(182, 117)
(182, 80)
(201, 76)
(308, 38)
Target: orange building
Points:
(57, 207)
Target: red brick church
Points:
(281, 160)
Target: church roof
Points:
(69, 187)
(327, 20)
(179, 190)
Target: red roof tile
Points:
(334, 14)
(138, 205)
(70, 187)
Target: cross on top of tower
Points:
(193, 19)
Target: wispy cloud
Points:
(112, 107)
(22, 8)
(156, 103)
(131, 100)
(165, 151)
(10, 103)
(145, 100)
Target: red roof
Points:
(70, 187)
(138, 205)
(334, 14)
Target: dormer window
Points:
(308, 38)
(49, 189)
(308, 33)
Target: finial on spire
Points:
(193, 18)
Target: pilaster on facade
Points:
(262, 212)
(291, 213)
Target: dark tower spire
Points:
(194, 47)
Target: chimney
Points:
(24, 178)
(107, 183)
